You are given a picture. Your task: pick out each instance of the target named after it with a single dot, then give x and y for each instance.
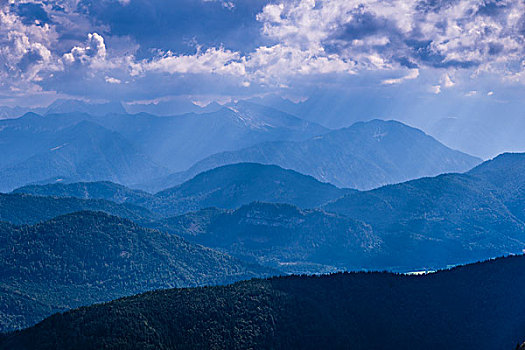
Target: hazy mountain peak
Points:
(67, 106)
(362, 156)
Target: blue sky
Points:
(144, 50)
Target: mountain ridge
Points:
(363, 156)
(228, 187)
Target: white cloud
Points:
(459, 34)
(94, 50)
(211, 61)
(436, 89)
(112, 80)
(412, 74)
(446, 81)
(302, 39)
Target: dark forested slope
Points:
(480, 306)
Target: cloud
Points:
(413, 74)
(464, 34)
(257, 45)
(93, 51)
(211, 61)
(112, 80)
(446, 81)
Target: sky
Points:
(471, 51)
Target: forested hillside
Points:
(89, 257)
(479, 306)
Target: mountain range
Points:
(479, 306)
(421, 224)
(484, 129)
(449, 217)
(64, 146)
(142, 149)
(180, 141)
(228, 187)
(107, 204)
(64, 106)
(174, 106)
(91, 257)
(363, 156)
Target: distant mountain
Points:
(232, 186)
(83, 152)
(486, 130)
(20, 209)
(179, 142)
(227, 187)
(17, 111)
(478, 306)
(482, 126)
(71, 106)
(363, 156)
(67, 146)
(61, 106)
(172, 107)
(281, 236)
(88, 257)
(331, 110)
(505, 172)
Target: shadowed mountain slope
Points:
(281, 236)
(478, 306)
